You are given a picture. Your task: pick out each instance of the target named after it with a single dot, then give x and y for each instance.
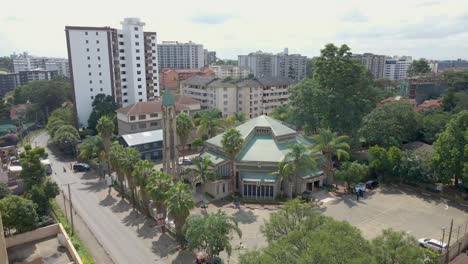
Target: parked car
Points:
(372, 184)
(307, 195)
(359, 187)
(81, 167)
(185, 161)
(432, 244)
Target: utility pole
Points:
(65, 204)
(443, 236)
(447, 254)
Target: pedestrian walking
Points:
(357, 196)
(109, 184)
(64, 169)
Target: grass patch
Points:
(59, 216)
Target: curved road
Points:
(121, 232)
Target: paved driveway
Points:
(402, 209)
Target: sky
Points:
(429, 29)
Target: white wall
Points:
(97, 64)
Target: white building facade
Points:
(396, 68)
(231, 71)
(113, 62)
(26, 62)
(172, 54)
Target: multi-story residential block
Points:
(171, 78)
(210, 57)
(25, 77)
(26, 62)
(121, 63)
(374, 63)
(254, 97)
(172, 54)
(275, 65)
(396, 68)
(8, 82)
(231, 71)
(147, 116)
(451, 64)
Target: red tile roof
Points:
(429, 104)
(14, 110)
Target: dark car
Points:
(307, 195)
(81, 167)
(372, 184)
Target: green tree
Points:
(179, 202)
(4, 190)
(131, 156)
(300, 161)
(449, 149)
(91, 147)
(390, 125)
(310, 67)
(351, 172)
(66, 137)
(142, 172)
(39, 198)
(433, 122)
(456, 79)
(280, 112)
(18, 213)
(419, 67)
(398, 247)
(105, 128)
(157, 187)
(116, 157)
(330, 145)
(6, 64)
(208, 122)
(304, 103)
(232, 142)
(239, 117)
(212, 233)
(33, 172)
(184, 127)
(378, 161)
(202, 171)
(286, 177)
(103, 105)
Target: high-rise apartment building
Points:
(26, 62)
(121, 63)
(210, 57)
(374, 63)
(396, 68)
(8, 82)
(25, 77)
(172, 54)
(275, 65)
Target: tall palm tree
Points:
(105, 127)
(281, 112)
(116, 157)
(142, 172)
(184, 126)
(179, 202)
(202, 171)
(209, 125)
(239, 117)
(232, 142)
(131, 158)
(299, 159)
(285, 174)
(330, 144)
(157, 187)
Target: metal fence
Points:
(459, 245)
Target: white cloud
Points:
(232, 28)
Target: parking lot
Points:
(420, 215)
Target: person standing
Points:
(109, 183)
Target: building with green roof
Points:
(266, 142)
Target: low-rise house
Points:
(266, 142)
(149, 143)
(424, 105)
(171, 78)
(147, 116)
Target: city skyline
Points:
(425, 28)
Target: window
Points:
(225, 89)
(138, 58)
(100, 73)
(124, 79)
(87, 41)
(89, 65)
(101, 89)
(132, 127)
(99, 65)
(90, 89)
(154, 115)
(125, 94)
(154, 124)
(99, 57)
(86, 33)
(100, 81)
(141, 100)
(125, 101)
(137, 51)
(98, 49)
(135, 28)
(123, 65)
(122, 57)
(125, 86)
(87, 49)
(137, 43)
(225, 96)
(90, 81)
(139, 93)
(138, 72)
(225, 103)
(153, 44)
(89, 73)
(132, 118)
(224, 187)
(142, 125)
(142, 117)
(139, 79)
(124, 72)
(92, 97)
(120, 35)
(121, 50)
(139, 86)
(97, 41)
(136, 35)
(138, 65)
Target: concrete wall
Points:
(3, 251)
(41, 233)
(215, 188)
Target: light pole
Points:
(443, 236)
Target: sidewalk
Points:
(94, 248)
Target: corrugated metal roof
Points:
(257, 176)
(143, 137)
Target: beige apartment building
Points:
(254, 97)
(231, 71)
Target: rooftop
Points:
(143, 137)
(46, 250)
(199, 80)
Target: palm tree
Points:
(184, 126)
(105, 127)
(157, 186)
(179, 202)
(239, 117)
(285, 174)
(209, 125)
(330, 144)
(299, 159)
(130, 159)
(232, 142)
(280, 112)
(116, 157)
(202, 171)
(91, 147)
(142, 171)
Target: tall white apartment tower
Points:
(121, 63)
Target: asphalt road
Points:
(116, 234)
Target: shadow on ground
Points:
(245, 216)
(108, 201)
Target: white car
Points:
(432, 244)
(360, 187)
